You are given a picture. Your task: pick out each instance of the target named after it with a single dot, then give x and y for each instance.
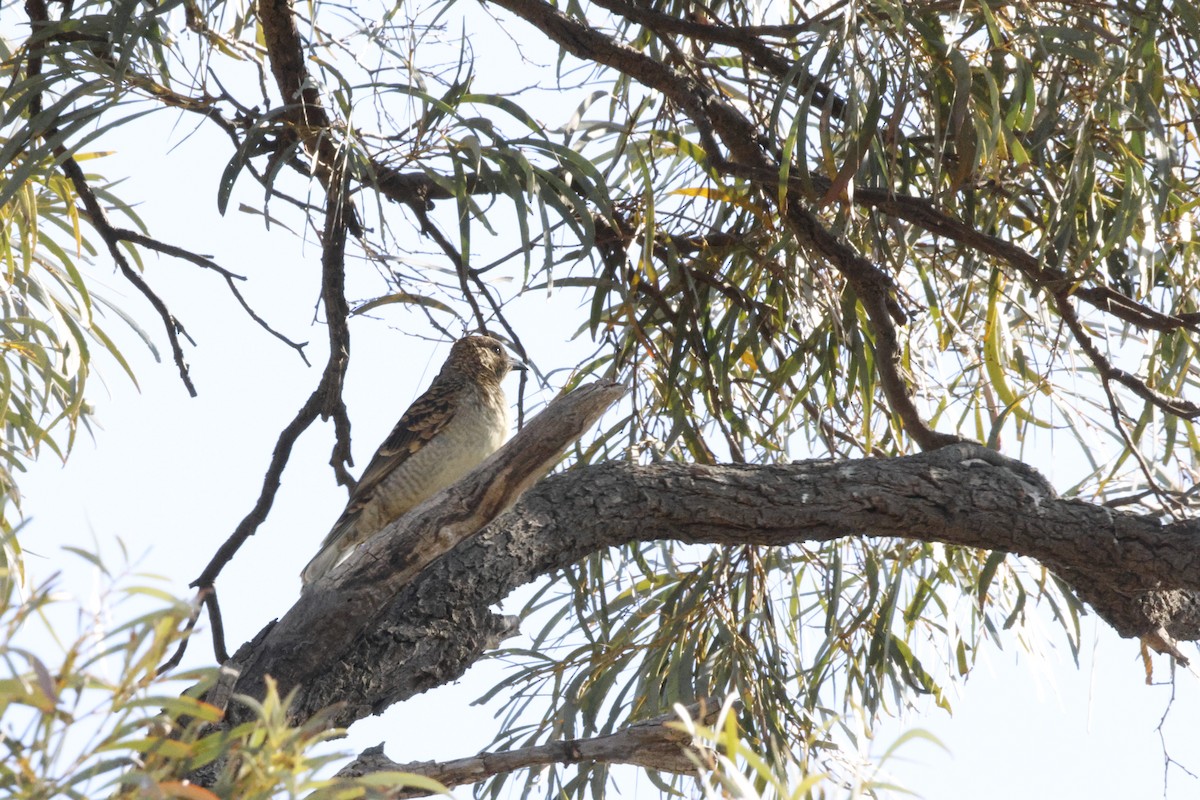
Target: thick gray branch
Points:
(1137, 572)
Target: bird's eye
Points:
(497, 349)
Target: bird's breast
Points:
(478, 428)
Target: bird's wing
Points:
(425, 418)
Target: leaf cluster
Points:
(88, 714)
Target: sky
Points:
(171, 476)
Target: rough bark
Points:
(1138, 573)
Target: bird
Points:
(460, 420)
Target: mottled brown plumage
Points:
(460, 420)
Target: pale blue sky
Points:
(171, 476)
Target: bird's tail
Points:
(329, 557)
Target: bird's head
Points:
(482, 357)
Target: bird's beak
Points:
(518, 365)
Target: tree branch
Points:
(1137, 572)
(325, 401)
(339, 221)
(151, 243)
(659, 744)
(310, 124)
(750, 158)
(99, 219)
(409, 187)
(714, 116)
(38, 18)
(743, 37)
(1109, 372)
(927, 216)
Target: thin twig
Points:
(925, 214)
(173, 250)
(218, 626)
(205, 598)
(467, 276)
(1104, 368)
(659, 743)
(1160, 729)
(307, 414)
(99, 220)
(38, 17)
(456, 258)
(203, 261)
(325, 401)
(172, 662)
(339, 218)
(1109, 372)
